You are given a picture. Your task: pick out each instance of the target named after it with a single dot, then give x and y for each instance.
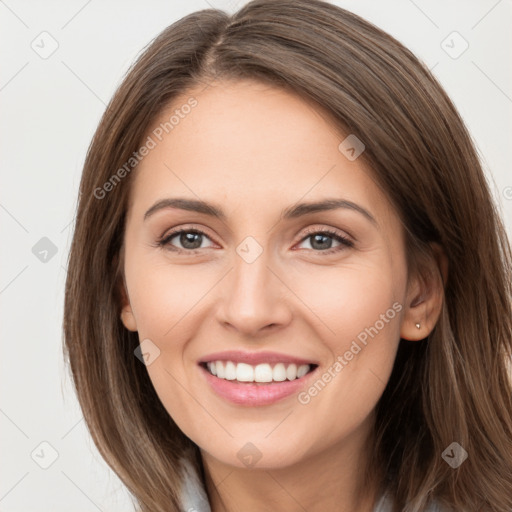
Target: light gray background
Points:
(50, 109)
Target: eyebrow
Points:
(292, 212)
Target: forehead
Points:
(249, 144)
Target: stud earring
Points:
(418, 326)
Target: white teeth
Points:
(212, 367)
(302, 370)
(279, 372)
(219, 366)
(230, 371)
(244, 372)
(264, 372)
(291, 372)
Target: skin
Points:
(254, 150)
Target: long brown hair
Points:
(454, 386)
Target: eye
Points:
(190, 240)
(321, 241)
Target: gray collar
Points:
(193, 494)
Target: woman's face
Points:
(262, 278)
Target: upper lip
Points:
(254, 358)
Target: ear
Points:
(127, 316)
(425, 296)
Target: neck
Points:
(329, 480)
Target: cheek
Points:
(349, 299)
(360, 312)
(162, 296)
(167, 300)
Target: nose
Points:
(255, 298)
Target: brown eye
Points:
(322, 241)
(189, 239)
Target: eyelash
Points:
(164, 242)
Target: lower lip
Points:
(251, 394)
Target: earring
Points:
(418, 326)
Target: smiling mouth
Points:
(263, 373)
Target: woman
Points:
(288, 287)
